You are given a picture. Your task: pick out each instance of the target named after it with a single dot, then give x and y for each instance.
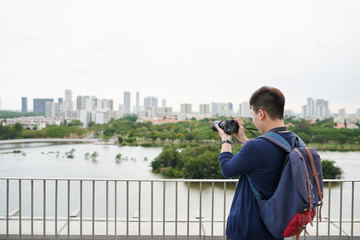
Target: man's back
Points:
(262, 161)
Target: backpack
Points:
(292, 206)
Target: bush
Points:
(330, 171)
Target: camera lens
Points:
(213, 126)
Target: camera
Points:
(229, 126)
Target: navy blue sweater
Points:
(262, 161)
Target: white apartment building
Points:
(244, 110)
(204, 109)
(222, 109)
(185, 108)
(150, 102)
(68, 103)
(315, 109)
(127, 109)
(54, 110)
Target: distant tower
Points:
(127, 103)
(137, 102)
(310, 108)
(185, 108)
(244, 109)
(204, 109)
(150, 102)
(24, 105)
(40, 104)
(68, 104)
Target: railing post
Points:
(176, 210)
(44, 208)
(115, 210)
(152, 210)
(68, 210)
(7, 209)
(200, 209)
(107, 209)
(56, 209)
(32, 208)
(20, 232)
(164, 210)
(81, 207)
(341, 204)
(212, 209)
(352, 208)
(93, 210)
(329, 207)
(127, 209)
(139, 210)
(188, 211)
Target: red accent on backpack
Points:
(298, 223)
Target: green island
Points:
(190, 148)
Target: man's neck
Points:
(275, 124)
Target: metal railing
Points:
(147, 209)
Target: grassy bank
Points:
(335, 147)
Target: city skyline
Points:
(133, 99)
(217, 53)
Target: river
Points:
(50, 161)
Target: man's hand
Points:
(240, 135)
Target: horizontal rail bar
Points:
(154, 180)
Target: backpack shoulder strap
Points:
(277, 140)
(282, 143)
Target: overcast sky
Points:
(188, 51)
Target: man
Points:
(258, 159)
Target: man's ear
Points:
(262, 114)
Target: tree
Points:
(75, 122)
(303, 125)
(306, 138)
(91, 124)
(330, 171)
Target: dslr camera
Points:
(229, 126)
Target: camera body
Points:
(229, 126)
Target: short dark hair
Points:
(270, 99)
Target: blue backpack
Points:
(299, 192)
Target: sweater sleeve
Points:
(241, 163)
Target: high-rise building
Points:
(40, 104)
(310, 108)
(185, 108)
(204, 109)
(163, 103)
(244, 110)
(68, 104)
(53, 110)
(304, 111)
(221, 109)
(107, 104)
(150, 102)
(322, 109)
(127, 109)
(137, 108)
(215, 109)
(84, 103)
(24, 105)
